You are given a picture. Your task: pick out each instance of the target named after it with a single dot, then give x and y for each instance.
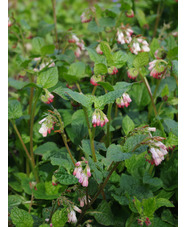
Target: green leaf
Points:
(63, 177)
(132, 142)
(46, 191)
(14, 109)
(127, 124)
(77, 69)
(171, 42)
(16, 83)
(158, 222)
(97, 58)
(14, 200)
(171, 126)
(107, 52)
(44, 225)
(107, 22)
(47, 49)
(106, 85)
(142, 59)
(168, 217)
(140, 96)
(119, 58)
(154, 46)
(149, 206)
(140, 15)
(160, 202)
(100, 68)
(59, 218)
(165, 91)
(68, 56)
(93, 27)
(104, 214)
(155, 182)
(21, 218)
(48, 78)
(138, 205)
(115, 153)
(111, 96)
(37, 44)
(44, 148)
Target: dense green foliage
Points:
(73, 74)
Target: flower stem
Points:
(94, 90)
(91, 136)
(55, 20)
(63, 135)
(26, 151)
(144, 79)
(108, 124)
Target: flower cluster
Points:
(83, 201)
(112, 70)
(47, 124)
(124, 100)
(129, 13)
(86, 16)
(95, 79)
(139, 45)
(72, 214)
(158, 151)
(124, 35)
(132, 73)
(146, 220)
(79, 45)
(82, 172)
(99, 118)
(157, 68)
(47, 98)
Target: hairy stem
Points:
(26, 151)
(108, 124)
(91, 136)
(144, 79)
(55, 20)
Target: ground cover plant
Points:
(93, 111)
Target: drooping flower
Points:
(160, 53)
(158, 151)
(47, 124)
(82, 172)
(47, 98)
(124, 35)
(95, 79)
(99, 118)
(123, 101)
(129, 13)
(72, 217)
(9, 22)
(132, 73)
(87, 15)
(139, 45)
(157, 68)
(112, 70)
(83, 201)
(98, 49)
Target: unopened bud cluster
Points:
(129, 13)
(112, 70)
(82, 172)
(123, 101)
(47, 98)
(95, 79)
(99, 118)
(132, 73)
(144, 220)
(157, 68)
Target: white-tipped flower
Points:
(72, 217)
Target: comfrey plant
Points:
(93, 116)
